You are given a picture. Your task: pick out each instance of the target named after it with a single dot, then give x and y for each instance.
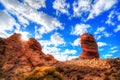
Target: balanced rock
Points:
(89, 47)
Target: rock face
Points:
(18, 56)
(89, 47)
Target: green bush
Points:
(42, 73)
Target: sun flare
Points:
(24, 37)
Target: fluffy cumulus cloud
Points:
(35, 3)
(81, 6)
(92, 8)
(67, 51)
(110, 16)
(25, 12)
(79, 29)
(61, 6)
(76, 42)
(57, 39)
(65, 55)
(100, 6)
(118, 17)
(117, 29)
(52, 46)
(60, 54)
(6, 21)
(101, 32)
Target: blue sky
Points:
(58, 24)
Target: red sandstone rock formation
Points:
(20, 56)
(89, 47)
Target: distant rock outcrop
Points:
(89, 47)
(18, 56)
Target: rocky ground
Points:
(76, 69)
(94, 69)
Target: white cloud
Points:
(25, 10)
(113, 51)
(101, 44)
(3, 35)
(76, 42)
(100, 49)
(61, 6)
(112, 48)
(72, 57)
(67, 51)
(98, 37)
(45, 43)
(61, 57)
(117, 29)
(38, 34)
(99, 29)
(52, 46)
(80, 29)
(118, 17)
(35, 3)
(23, 21)
(81, 6)
(6, 22)
(59, 54)
(100, 6)
(55, 51)
(110, 16)
(100, 32)
(107, 56)
(57, 39)
(64, 55)
(91, 8)
(51, 50)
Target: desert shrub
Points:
(1, 70)
(2, 78)
(118, 77)
(42, 73)
(59, 69)
(112, 77)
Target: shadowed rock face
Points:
(89, 47)
(21, 56)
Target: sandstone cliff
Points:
(19, 56)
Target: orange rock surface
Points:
(89, 47)
(21, 56)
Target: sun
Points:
(24, 37)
